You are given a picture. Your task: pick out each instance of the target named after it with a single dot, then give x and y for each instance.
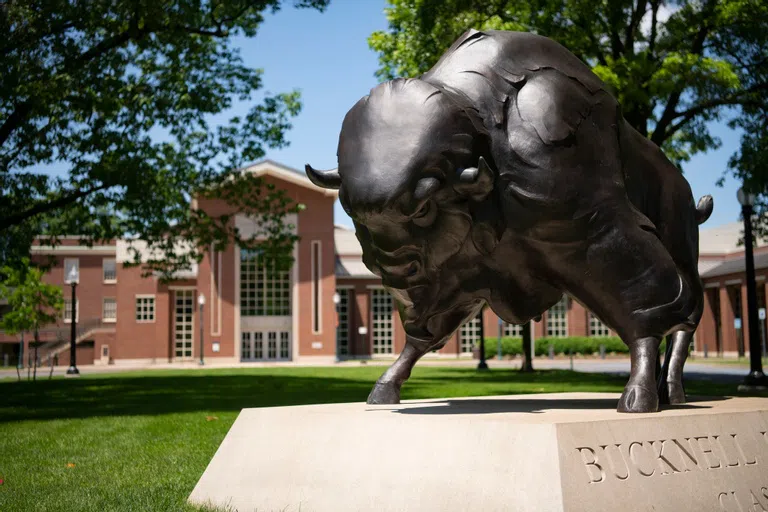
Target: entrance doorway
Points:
(184, 324)
(265, 345)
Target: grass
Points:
(139, 441)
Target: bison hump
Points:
(553, 104)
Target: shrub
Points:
(572, 344)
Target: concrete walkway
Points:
(695, 369)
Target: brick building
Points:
(316, 310)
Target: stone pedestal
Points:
(554, 452)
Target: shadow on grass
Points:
(153, 393)
(149, 395)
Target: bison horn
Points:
(324, 179)
(476, 182)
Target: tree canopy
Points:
(130, 98)
(675, 66)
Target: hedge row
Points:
(569, 345)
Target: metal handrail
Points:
(62, 334)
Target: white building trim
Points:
(284, 173)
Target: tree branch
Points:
(661, 129)
(14, 120)
(22, 110)
(634, 22)
(614, 18)
(736, 99)
(47, 206)
(654, 19)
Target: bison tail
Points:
(704, 209)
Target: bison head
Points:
(411, 171)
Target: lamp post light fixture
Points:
(73, 277)
(756, 378)
(201, 302)
(362, 331)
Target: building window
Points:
(264, 290)
(110, 270)
(68, 311)
(69, 264)
(245, 346)
(145, 308)
(381, 317)
(513, 330)
(316, 310)
(285, 345)
(596, 327)
(109, 309)
(469, 335)
(342, 329)
(557, 319)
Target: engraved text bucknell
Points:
(660, 457)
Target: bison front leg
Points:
(387, 388)
(640, 394)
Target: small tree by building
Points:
(33, 303)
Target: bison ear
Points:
(476, 182)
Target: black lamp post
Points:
(336, 302)
(482, 365)
(72, 278)
(756, 377)
(201, 302)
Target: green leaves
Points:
(132, 98)
(33, 302)
(675, 66)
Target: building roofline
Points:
(267, 167)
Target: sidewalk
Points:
(693, 369)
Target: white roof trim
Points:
(279, 171)
(73, 249)
(125, 250)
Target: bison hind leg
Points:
(670, 381)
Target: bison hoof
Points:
(638, 399)
(676, 393)
(384, 393)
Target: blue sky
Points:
(326, 56)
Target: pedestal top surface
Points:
(550, 408)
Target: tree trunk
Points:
(527, 352)
(37, 342)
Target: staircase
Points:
(57, 339)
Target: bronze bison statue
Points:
(506, 175)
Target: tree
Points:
(33, 303)
(675, 66)
(131, 97)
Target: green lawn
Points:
(139, 441)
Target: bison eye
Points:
(423, 211)
(425, 215)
